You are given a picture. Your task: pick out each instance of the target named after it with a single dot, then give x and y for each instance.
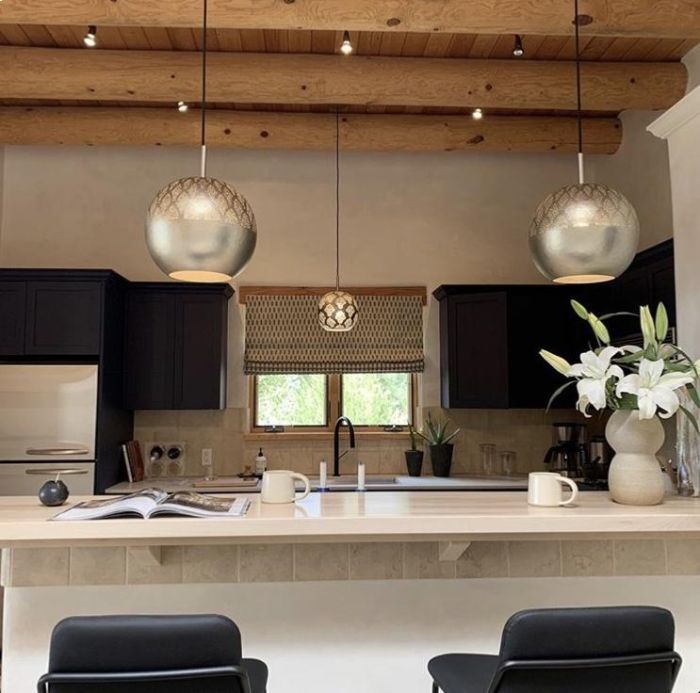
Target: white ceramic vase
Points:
(635, 474)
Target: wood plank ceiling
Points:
(624, 70)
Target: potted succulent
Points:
(640, 385)
(414, 456)
(438, 440)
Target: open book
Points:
(153, 502)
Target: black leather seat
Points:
(588, 650)
(150, 654)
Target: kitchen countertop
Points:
(351, 516)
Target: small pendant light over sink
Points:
(585, 233)
(200, 229)
(337, 310)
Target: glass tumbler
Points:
(508, 460)
(488, 458)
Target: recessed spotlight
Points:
(518, 50)
(477, 114)
(346, 45)
(182, 107)
(90, 38)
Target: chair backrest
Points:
(606, 650)
(145, 654)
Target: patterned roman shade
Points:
(283, 336)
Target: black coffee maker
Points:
(569, 456)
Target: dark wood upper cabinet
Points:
(149, 350)
(490, 336)
(63, 318)
(490, 341)
(176, 339)
(474, 341)
(12, 317)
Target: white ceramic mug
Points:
(278, 487)
(545, 489)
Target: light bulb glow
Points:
(182, 107)
(346, 45)
(518, 50)
(90, 38)
(477, 114)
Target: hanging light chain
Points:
(579, 115)
(337, 199)
(203, 141)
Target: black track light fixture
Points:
(518, 50)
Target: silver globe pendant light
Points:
(337, 310)
(584, 233)
(200, 229)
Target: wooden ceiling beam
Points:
(87, 125)
(651, 18)
(165, 76)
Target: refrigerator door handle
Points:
(58, 452)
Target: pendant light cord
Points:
(579, 115)
(337, 199)
(203, 140)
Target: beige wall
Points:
(640, 171)
(406, 219)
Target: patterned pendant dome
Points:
(337, 311)
(200, 229)
(584, 233)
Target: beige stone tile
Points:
(372, 460)
(155, 419)
(321, 562)
(534, 559)
(266, 563)
(683, 556)
(210, 564)
(376, 561)
(587, 558)
(421, 560)
(141, 569)
(640, 557)
(483, 559)
(99, 565)
(39, 567)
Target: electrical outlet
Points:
(207, 457)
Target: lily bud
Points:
(661, 322)
(599, 328)
(647, 325)
(579, 310)
(556, 362)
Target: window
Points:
(313, 402)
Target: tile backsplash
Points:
(528, 433)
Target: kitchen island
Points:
(396, 576)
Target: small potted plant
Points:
(435, 434)
(414, 456)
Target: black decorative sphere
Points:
(53, 493)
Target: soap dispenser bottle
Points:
(260, 463)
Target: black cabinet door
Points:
(150, 350)
(475, 363)
(63, 318)
(12, 311)
(200, 373)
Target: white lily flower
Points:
(593, 372)
(654, 388)
(556, 362)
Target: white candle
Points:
(361, 477)
(322, 475)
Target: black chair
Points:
(150, 654)
(589, 650)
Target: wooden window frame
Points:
(333, 410)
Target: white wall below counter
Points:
(368, 636)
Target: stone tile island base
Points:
(346, 617)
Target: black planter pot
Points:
(441, 458)
(414, 462)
